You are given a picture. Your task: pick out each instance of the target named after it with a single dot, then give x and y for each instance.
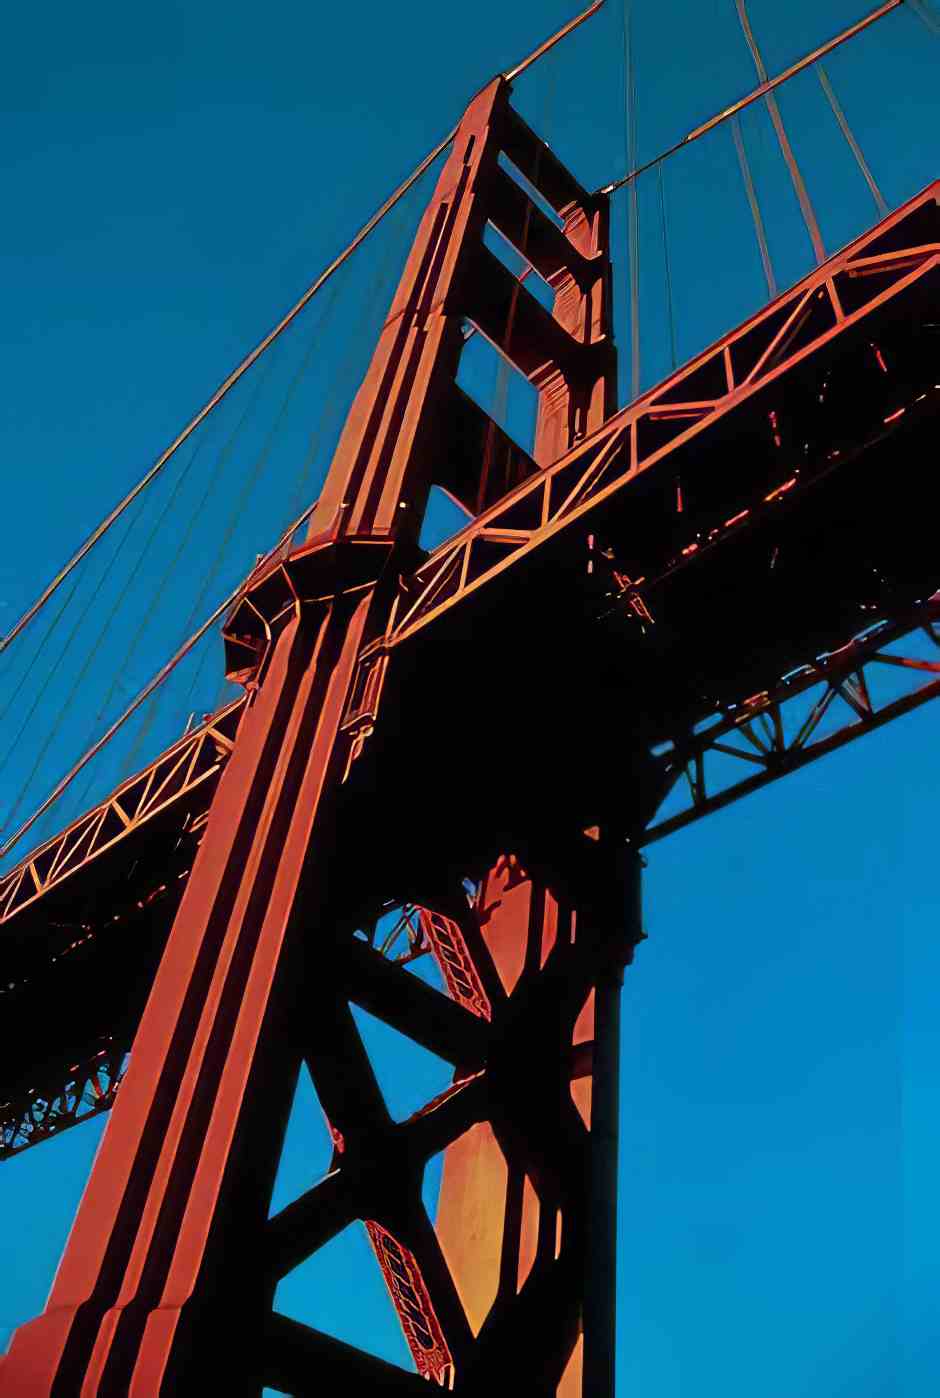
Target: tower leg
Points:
(534, 1211)
(166, 1282)
(170, 1227)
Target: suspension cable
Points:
(853, 144)
(758, 92)
(163, 673)
(922, 11)
(156, 531)
(332, 398)
(64, 705)
(241, 369)
(667, 269)
(76, 686)
(159, 590)
(45, 640)
(633, 208)
(751, 193)
(799, 184)
(223, 389)
(251, 478)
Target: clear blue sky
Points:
(173, 177)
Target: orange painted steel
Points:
(168, 1249)
(86, 1090)
(778, 731)
(865, 277)
(509, 1207)
(192, 763)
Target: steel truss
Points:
(88, 1090)
(778, 731)
(175, 779)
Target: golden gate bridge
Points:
(685, 597)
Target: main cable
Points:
(633, 198)
(759, 92)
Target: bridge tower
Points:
(168, 1278)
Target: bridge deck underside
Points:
(526, 688)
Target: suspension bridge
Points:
(616, 604)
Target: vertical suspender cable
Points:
(922, 11)
(185, 535)
(755, 207)
(30, 668)
(633, 205)
(286, 320)
(222, 392)
(148, 689)
(75, 688)
(809, 215)
(332, 400)
(854, 146)
(239, 506)
(661, 182)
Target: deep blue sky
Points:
(173, 177)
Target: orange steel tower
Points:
(172, 1255)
